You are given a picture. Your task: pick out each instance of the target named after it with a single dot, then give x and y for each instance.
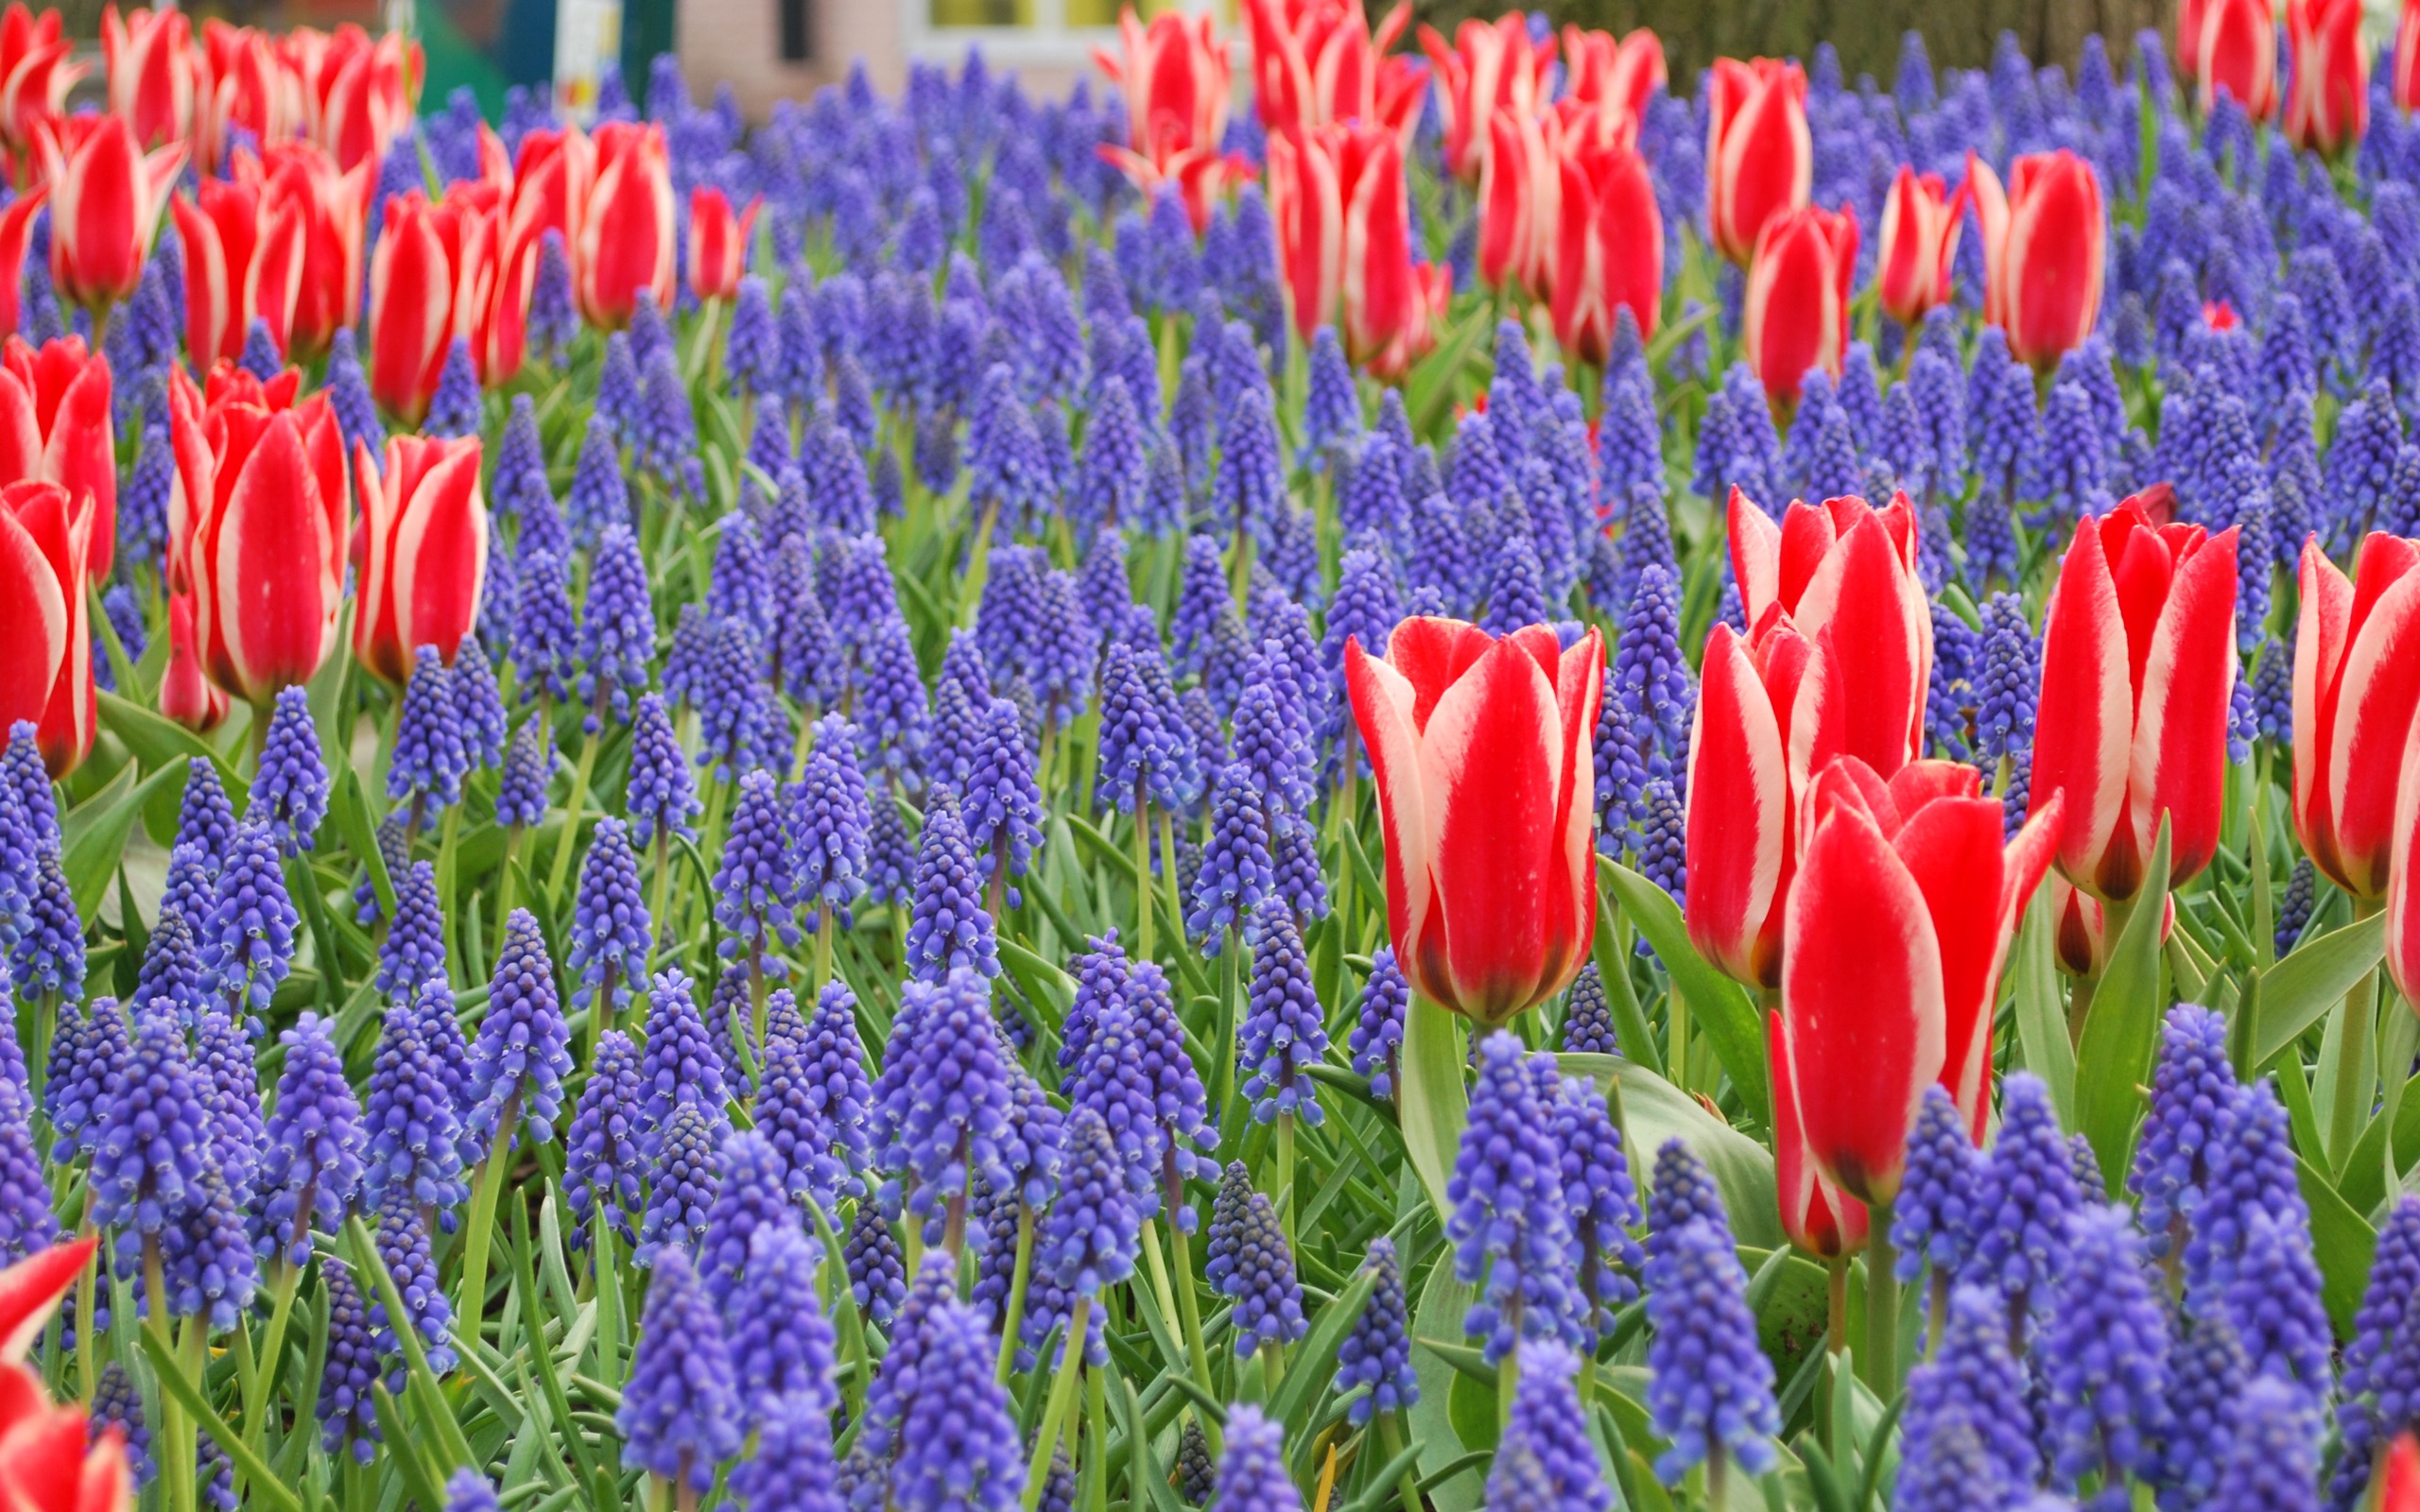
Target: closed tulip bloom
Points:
(627, 225)
(331, 210)
(2357, 682)
(2138, 666)
(1342, 214)
(1520, 194)
(1175, 74)
(2045, 235)
(1819, 1217)
(421, 551)
(245, 82)
(105, 202)
(1759, 156)
(1899, 923)
(2327, 106)
(244, 243)
(16, 232)
(1609, 251)
(257, 536)
(54, 425)
(49, 677)
(357, 94)
(1752, 740)
(2406, 58)
(1486, 791)
(2235, 49)
(2080, 927)
(148, 58)
(1317, 64)
(1492, 68)
(432, 278)
(1797, 314)
(1609, 80)
(1920, 225)
(186, 695)
(35, 75)
(551, 180)
(717, 242)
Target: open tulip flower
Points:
(1344, 237)
(152, 72)
(1480, 747)
(56, 423)
(1315, 62)
(50, 1458)
(1490, 69)
(37, 69)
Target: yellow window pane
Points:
(982, 12)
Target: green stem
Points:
(1188, 1312)
(2354, 1091)
(1142, 873)
(176, 1467)
(1167, 848)
(1063, 1393)
(1881, 1363)
(504, 878)
(1508, 1383)
(1096, 1441)
(289, 1281)
(1390, 1445)
(609, 1300)
(660, 899)
(471, 1300)
(1013, 1320)
(570, 840)
(1286, 1174)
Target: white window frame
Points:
(1050, 42)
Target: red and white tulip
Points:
(421, 550)
(152, 73)
(1520, 198)
(50, 1458)
(36, 72)
(2235, 49)
(2357, 683)
(434, 276)
(56, 425)
(1819, 1217)
(626, 226)
(46, 549)
(1797, 311)
(1315, 62)
(717, 242)
(1342, 214)
(1486, 791)
(1608, 80)
(1609, 252)
(2044, 251)
(1920, 225)
(357, 94)
(2327, 103)
(106, 197)
(244, 245)
(1492, 69)
(1759, 155)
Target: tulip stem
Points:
(1880, 1365)
(1142, 872)
(1836, 1327)
(2355, 1089)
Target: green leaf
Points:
(1312, 1365)
(1653, 1111)
(1442, 1303)
(1721, 1007)
(2121, 1028)
(349, 810)
(158, 741)
(93, 837)
(2342, 1240)
(2043, 1046)
(258, 1478)
(1433, 1103)
(2297, 991)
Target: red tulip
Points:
(2399, 1477)
(1610, 81)
(1609, 250)
(2189, 37)
(1920, 225)
(244, 245)
(2138, 663)
(1759, 156)
(1485, 789)
(626, 226)
(186, 695)
(1175, 73)
(1520, 198)
(1797, 314)
(1846, 571)
(1762, 710)
(333, 210)
(2043, 239)
(1899, 922)
(148, 57)
(55, 423)
(432, 278)
(2235, 49)
(1342, 214)
(421, 552)
(357, 94)
(105, 201)
(1492, 69)
(2355, 685)
(1819, 1217)
(2080, 938)
(16, 230)
(50, 1460)
(718, 243)
(1315, 62)
(257, 536)
(2407, 58)
(551, 180)
(2327, 106)
(35, 76)
(48, 675)
(248, 82)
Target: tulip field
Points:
(1363, 771)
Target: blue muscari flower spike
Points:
(948, 927)
(1934, 1221)
(611, 931)
(316, 1142)
(1237, 869)
(261, 359)
(1249, 491)
(143, 503)
(2006, 680)
(600, 498)
(1376, 1041)
(468, 1490)
(412, 1128)
(521, 1055)
(454, 409)
(665, 444)
(520, 787)
(1332, 419)
(1546, 1459)
(749, 1199)
(290, 791)
(780, 1341)
(679, 1065)
(247, 938)
(554, 320)
(893, 718)
(2024, 1197)
(959, 1450)
(1252, 1473)
(519, 461)
(1089, 1239)
(2382, 1361)
(2192, 1107)
(769, 437)
(26, 1223)
(414, 948)
(736, 711)
(210, 1274)
(150, 1142)
(1510, 1227)
(89, 1051)
(876, 1267)
(1588, 1016)
(1599, 1199)
(347, 1415)
(829, 820)
(1710, 1388)
(1114, 468)
(683, 1174)
(1002, 803)
(429, 759)
(943, 1104)
(2251, 1171)
(2272, 1462)
(754, 887)
(49, 957)
(1283, 1031)
(1145, 745)
(2105, 1350)
(543, 630)
(204, 818)
(1947, 1469)
(617, 629)
(1972, 1379)
(171, 969)
(356, 412)
(753, 352)
(1376, 1352)
(223, 1067)
(1259, 1270)
(478, 704)
(662, 800)
(680, 1416)
(602, 1162)
(2273, 1303)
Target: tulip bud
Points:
(1486, 790)
(423, 551)
(1919, 227)
(1797, 314)
(1342, 216)
(243, 261)
(1759, 156)
(148, 57)
(55, 423)
(434, 277)
(245, 82)
(2137, 666)
(359, 94)
(105, 202)
(2356, 688)
(39, 607)
(1612, 80)
(718, 243)
(1520, 188)
(331, 210)
(35, 76)
(626, 226)
(2235, 49)
(186, 695)
(1899, 921)
(2044, 248)
(2329, 107)
(1609, 247)
(69, 711)
(1493, 68)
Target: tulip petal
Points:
(1383, 709)
(1738, 816)
(30, 1290)
(2178, 765)
(2085, 724)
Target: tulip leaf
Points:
(1444, 1301)
(1433, 1102)
(2121, 1028)
(1722, 1010)
(158, 741)
(1653, 1111)
(2042, 1042)
(2342, 1240)
(2297, 991)
(349, 810)
(93, 839)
